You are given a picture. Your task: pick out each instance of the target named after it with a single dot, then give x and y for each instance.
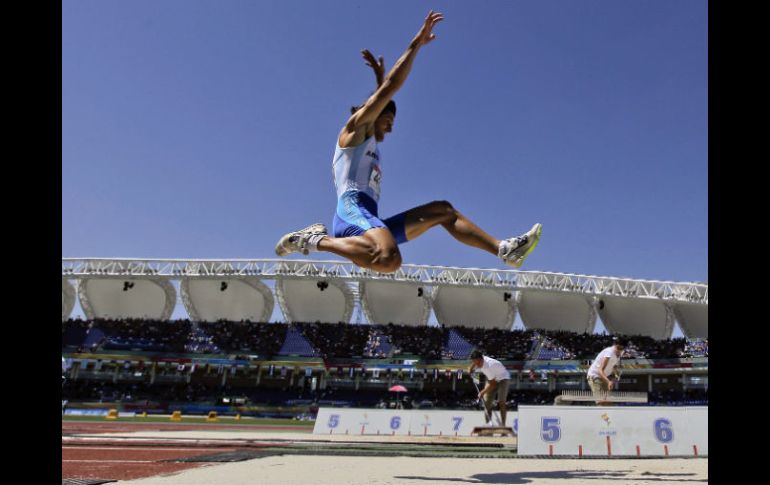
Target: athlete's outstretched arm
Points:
(396, 77)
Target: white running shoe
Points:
(513, 251)
(297, 242)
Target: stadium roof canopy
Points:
(400, 303)
(332, 291)
(234, 299)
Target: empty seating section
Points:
(296, 344)
(457, 347)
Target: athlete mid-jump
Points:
(359, 234)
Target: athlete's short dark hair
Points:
(476, 354)
(390, 107)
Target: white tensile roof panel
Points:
(547, 310)
(67, 299)
(227, 299)
(474, 307)
(127, 298)
(693, 319)
(302, 301)
(386, 302)
(636, 316)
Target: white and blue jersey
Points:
(358, 169)
(357, 177)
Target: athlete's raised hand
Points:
(361, 123)
(377, 67)
(426, 35)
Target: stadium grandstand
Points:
(345, 335)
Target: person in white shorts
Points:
(498, 379)
(601, 368)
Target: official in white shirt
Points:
(602, 367)
(498, 379)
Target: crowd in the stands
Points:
(376, 345)
(583, 346)
(126, 334)
(336, 339)
(263, 339)
(342, 340)
(696, 348)
(144, 395)
(502, 344)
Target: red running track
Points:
(71, 427)
(118, 460)
(126, 463)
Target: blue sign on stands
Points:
(86, 412)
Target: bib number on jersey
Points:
(374, 179)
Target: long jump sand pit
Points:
(285, 457)
(356, 470)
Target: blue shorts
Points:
(357, 213)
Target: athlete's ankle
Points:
(503, 247)
(314, 241)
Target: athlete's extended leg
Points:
(375, 249)
(512, 251)
(422, 218)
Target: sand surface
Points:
(346, 470)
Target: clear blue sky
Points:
(200, 129)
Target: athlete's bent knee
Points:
(443, 205)
(387, 260)
(444, 211)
